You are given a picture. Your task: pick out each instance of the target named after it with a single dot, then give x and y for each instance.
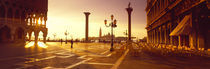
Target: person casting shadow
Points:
(72, 43)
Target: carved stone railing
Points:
(11, 21)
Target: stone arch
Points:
(40, 37)
(19, 33)
(10, 13)
(2, 11)
(5, 34)
(17, 14)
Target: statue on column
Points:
(129, 5)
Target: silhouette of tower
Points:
(86, 29)
(129, 10)
(100, 33)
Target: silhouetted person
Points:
(72, 43)
(61, 41)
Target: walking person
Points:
(72, 43)
(61, 41)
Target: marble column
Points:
(87, 22)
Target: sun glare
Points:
(40, 44)
(39, 21)
(30, 44)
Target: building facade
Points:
(179, 23)
(19, 18)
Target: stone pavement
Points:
(93, 56)
(142, 60)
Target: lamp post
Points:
(54, 36)
(126, 34)
(66, 33)
(112, 25)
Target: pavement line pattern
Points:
(52, 68)
(104, 52)
(69, 67)
(109, 54)
(82, 57)
(98, 63)
(119, 61)
(36, 60)
(29, 55)
(66, 56)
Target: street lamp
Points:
(54, 36)
(112, 25)
(66, 33)
(126, 34)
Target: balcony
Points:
(12, 21)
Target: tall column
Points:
(40, 18)
(37, 19)
(154, 36)
(149, 40)
(44, 37)
(45, 20)
(30, 21)
(36, 34)
(160, 34)
(147, 36)
(29, 35)
(180, 40)
(34, 21)
(86, 29)
(129, 10)
(12, 35)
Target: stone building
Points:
(19, 18)
(179, 23)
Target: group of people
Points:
(72, 42)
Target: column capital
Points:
(87, 13)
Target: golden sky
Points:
(68, 15)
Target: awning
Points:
(183, 28)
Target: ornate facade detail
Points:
(21, 17)
(179, 17)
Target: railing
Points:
(10, 21)
(38, 26)
(18, 21)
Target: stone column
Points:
(12, 35)
(34, 21)
(29, 35)
(158, 36)
(165, 35)
(45, 20)
(36, 34)
(154, 36)
(41, 20)
(30, 21)
(37, 18)
(161, 38)
(180, 40)
(148, 37)
(86, 29)
(129, 10)
(44, 37)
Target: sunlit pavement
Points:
(153, 61)
(55, 55)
